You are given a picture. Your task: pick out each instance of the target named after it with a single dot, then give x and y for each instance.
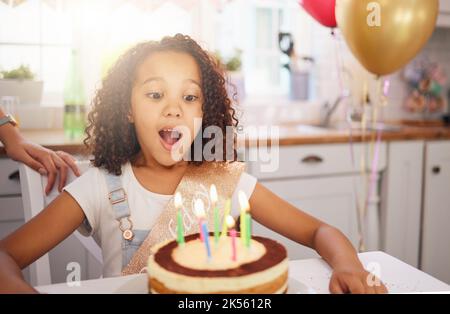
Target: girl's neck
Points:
(158, 178)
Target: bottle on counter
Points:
(74, 100)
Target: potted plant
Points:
(20, 82)
(235, 77)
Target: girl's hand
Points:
(44, 161)
(351, 280)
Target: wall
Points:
(437, 49)
(328, 50)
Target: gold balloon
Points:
(384, 35)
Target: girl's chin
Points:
(168, 159)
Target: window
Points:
(36, 34)
(41, 33)
(253, 27)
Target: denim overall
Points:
(119, 203)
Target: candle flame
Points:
(243, 201)
(199, 208)
(213, 193)
(230, 221)
(178, 200)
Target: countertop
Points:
(289, 134)
(305, 276)
(53, 139)
(298, 134)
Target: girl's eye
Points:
(190, 98)
(155, 95)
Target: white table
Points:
(398, 276)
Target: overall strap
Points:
(119, 202)
(117, 196)
(131, 239)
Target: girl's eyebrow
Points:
(158, 78)
(194, 81)
(153, 79)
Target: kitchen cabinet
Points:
(329, 199)
(435, 254)
(323, 181)
(11, 212)
(401, 205)
(12, 217)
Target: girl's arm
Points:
(280, 216)
(34, 239)
(41, 159)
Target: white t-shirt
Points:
(91, 193)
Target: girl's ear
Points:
(130, 118)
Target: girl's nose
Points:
(172, 111)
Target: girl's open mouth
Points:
(169, 137)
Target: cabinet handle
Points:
(14, 176)
(312, 159)
(436, 169)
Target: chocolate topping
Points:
(275, 253)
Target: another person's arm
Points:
(34, 239)
(43, 160)
(349, 274)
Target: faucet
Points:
(328, 111)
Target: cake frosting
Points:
(260, 268)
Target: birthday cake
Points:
(258, 267)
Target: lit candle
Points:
(243, 202)
(200, 212)
(248, 228)
(180, 228)
(206, 237)
(227, 212)
(213, 196)
(230, 225)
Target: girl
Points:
(145, 110)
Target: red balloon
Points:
(321, 10)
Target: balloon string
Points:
(339, 62)
(374, 167)
(363, 172)
(382, 97)
(359, 203)
(374, 117)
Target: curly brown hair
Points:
(111, 138)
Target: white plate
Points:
(139, 285)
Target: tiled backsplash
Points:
(327, 80)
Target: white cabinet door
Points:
(329, 199)
(444, 13)
(435, 256)
(402, 202)
(444, 6)
(9, 177)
